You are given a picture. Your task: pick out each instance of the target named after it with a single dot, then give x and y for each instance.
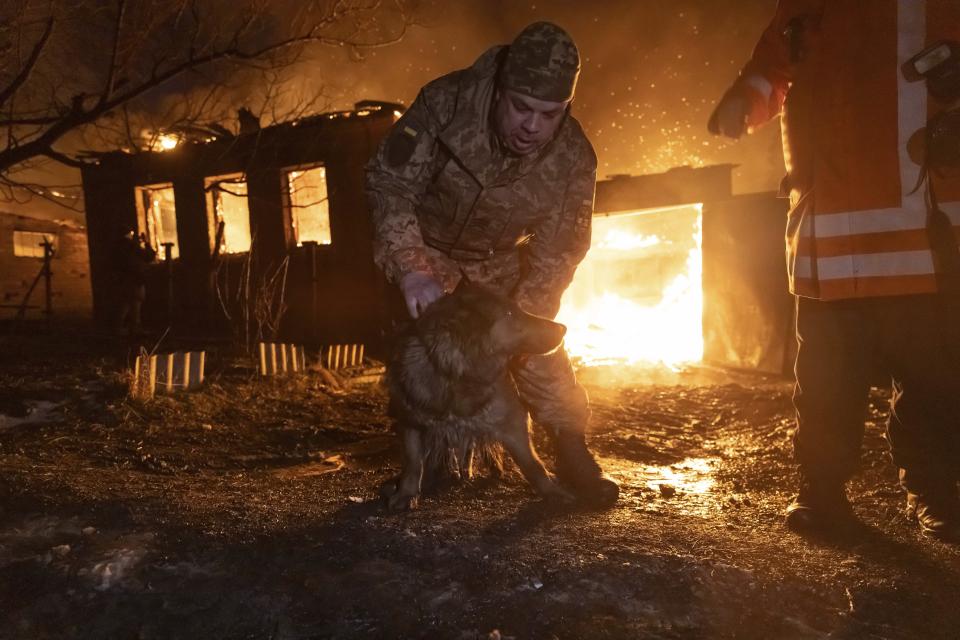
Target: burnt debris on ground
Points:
(249, 509)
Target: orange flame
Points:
(608, 325)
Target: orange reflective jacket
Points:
(832, 69)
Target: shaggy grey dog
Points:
(451, 392)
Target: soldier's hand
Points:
(730, 116)
(420, 290)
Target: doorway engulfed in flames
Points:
(637, 297)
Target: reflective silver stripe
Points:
(897, 263)
(830, 225)
(852, 223)
(760, 84)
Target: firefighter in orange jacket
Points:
(872, 149)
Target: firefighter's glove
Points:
(730, 117)
(420, 290)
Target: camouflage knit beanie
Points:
(542, 62)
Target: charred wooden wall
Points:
(332, 292)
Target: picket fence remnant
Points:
(343, 356)
(167, 373)
(144, 381)
(281, 358)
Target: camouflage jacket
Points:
(445, 198)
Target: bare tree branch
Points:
(112, 67)
(63, 158)
(22, 192)
(21, 77)
(158, 45)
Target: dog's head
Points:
(475, 328)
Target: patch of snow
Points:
(38, 412)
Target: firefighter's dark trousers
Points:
(846, 345)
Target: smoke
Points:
(652, 72)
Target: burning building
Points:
(264, 233)
(267, 233)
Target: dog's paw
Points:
(557, 494)
(402, 502)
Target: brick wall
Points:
(71, 269)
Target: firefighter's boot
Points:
(578, 470)
(933, 504)
(820, 507)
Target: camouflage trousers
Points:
(547, 384)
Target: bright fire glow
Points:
(164, 141)
(637, 297)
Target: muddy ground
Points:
(250, 510)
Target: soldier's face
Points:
(525, 124)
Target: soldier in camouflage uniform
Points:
(488, 176)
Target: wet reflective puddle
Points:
(686, 484)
